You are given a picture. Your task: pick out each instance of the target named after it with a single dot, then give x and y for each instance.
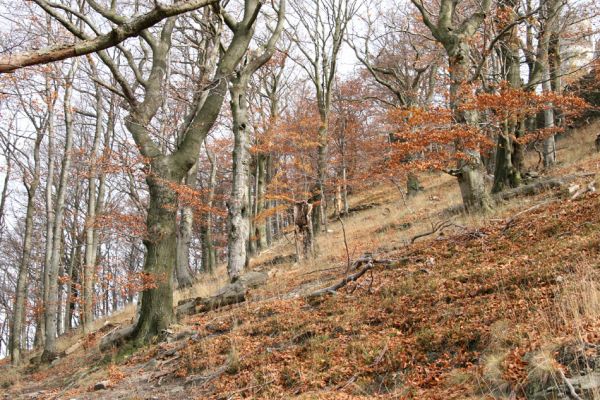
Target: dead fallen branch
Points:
(116, 337)
(199, 381)
(232, 293)
(436, 227)
(370, 263)
(334, 288)
(366, 258)
(572, 393)
(359, 208)
(540, 185)
(509, 223)
(589, 188)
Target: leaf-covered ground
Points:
(484, 310)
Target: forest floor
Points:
(504, 305)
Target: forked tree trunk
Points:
(156, 311)
(507, 173)
(471, 172)
(456, 37)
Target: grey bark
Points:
(90, 229)
(19, 309)
(262, 161)
(51, 306)
(325, 24)
(507, 173)
(184, 236)
(156, 311)
(41, 328)
(239, 208)
(456, 38)
(209, 261)
(124, 30)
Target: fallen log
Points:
(116, 338)
(232, 293)
(359, 208)
(539, 186)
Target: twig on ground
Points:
(342, 283)
(350, 278)
(231, 395)
(436, 227)
(512, 219)
(204, 379)
(572, 393)
(320, 270)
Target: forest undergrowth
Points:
(494, 306)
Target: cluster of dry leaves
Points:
(420, 329)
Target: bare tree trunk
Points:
(41, 329)
(471, 172)
(322, 161)
(51, 307)
(549, 144)
(507, 173)
(90, 229)
(208, 251)
(19, 309)
(262, 161)
(239, 207)
(184, 236)
(156, 311)
(73, 293)
(552, 82)
(4, 195)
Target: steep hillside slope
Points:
(505, 305)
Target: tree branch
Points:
(12, 62)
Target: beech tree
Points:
(89, 44)
(124, 176)
(164, 167)
(239, 208)
(318, 31)
(31, 181)
(456, 36)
